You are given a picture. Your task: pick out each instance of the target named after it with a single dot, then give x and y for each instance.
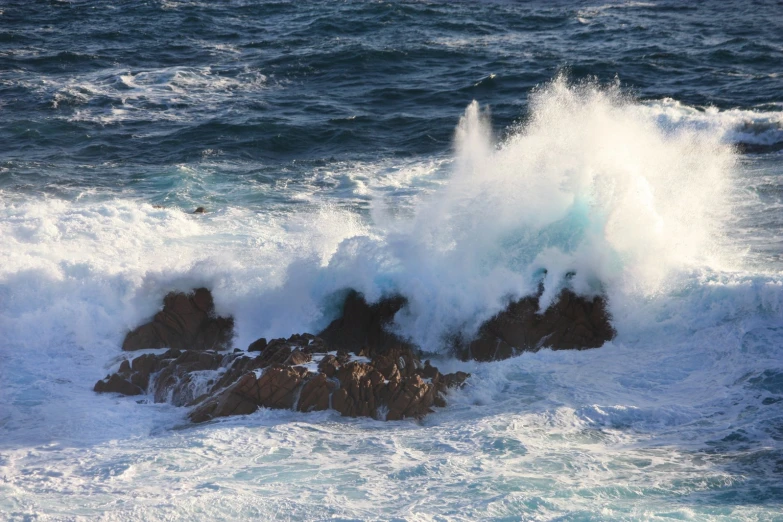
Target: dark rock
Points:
(257, 346)
(362, 327)
(298, 357)
(328, 365)
(187, 322)
(200, 210)
(175, 381)
(117, 384)
(572, 322)
(275, 388)
(174, 373)
(394, 385)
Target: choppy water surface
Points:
(448, 151)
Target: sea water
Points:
(456, 153)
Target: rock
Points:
(362, 326)
(275, 388)
(400, 357)
(392, 385)
(257, 345)
(187, 322)
(298, 357)
(359, 392)
(175, 382)
(200, 210)
(572, 322)
(328, 365)
(316, 393)
(175, 375)
(117, 384)
(410, 397)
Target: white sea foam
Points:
(755, 127)
(681, 408)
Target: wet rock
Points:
(362, 327)
(200, 210)
(362, 370)
(316, 393)
(178, 375)
(257, 346)
(410, 398)
(298, 357)
(328, 365)
(359, 392)
(117, 384)
(572, 322)
(187, 322)
(275, 388)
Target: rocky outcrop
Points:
(392, 386)
(293, 373)
(362, 328)
(178, 377)
(571, 322)
(355, 366)
(187, 322)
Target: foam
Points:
(679, 411)
(756, 127)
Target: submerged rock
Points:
(571, 322)
(187, 322)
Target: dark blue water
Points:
(110, 94)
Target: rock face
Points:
(187, 322)
(362, 327)
(572, 322)
(175, 376)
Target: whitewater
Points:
(679, 417)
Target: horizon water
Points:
(458, 154)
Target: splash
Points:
(590, 191)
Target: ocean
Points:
(452, 152)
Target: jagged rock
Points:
(362, 327)
(392, 385)
(275, 388)
(257, 346)
(400, 357)
(174, 373)
(328, 365)
(187, 322)
(410, 397)
(571, 322)
(175, 381)
(298, 357)
(359, 393)
(315, 394)
(117, 384)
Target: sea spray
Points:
(589, 191)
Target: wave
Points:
(592, 192)
(751, 130)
